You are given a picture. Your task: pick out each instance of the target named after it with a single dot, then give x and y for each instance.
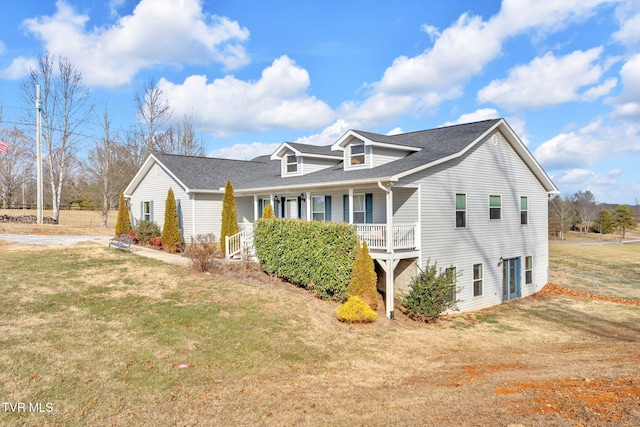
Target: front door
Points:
(291, 208)
(510, 279)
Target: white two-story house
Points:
(469, 197)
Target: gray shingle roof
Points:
(205, 173)
(324, 150)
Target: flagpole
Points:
(39, 157)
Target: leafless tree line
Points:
(77, 166)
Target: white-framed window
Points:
(359, 209)
(146, 211)
(461, 210)
(524, 210)
(292, 163)
(478, 276)
(357, 154)
(528, 270)
(495, 207)
(318, 208)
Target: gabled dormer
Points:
(300, 159)
(365, 150)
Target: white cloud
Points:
(19, 68)
(395, 131)
(329, 135)
(420, 83)
(572, 149)
(476, 116)
(550, 80)
(228, 105)
(629, 33)
(244, 151)
(157, 32)
(589, 145)
(614, 172)
(628, 104)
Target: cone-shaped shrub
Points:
(267, 212)
(123, 223)
(363, 277)
(171, 237)
(355, 310)
(229, 216)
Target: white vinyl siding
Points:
(483, 241)
(208, 214)
(244, 209)
(405, 205)
(381, 156)
(154, 188)
(311, 164)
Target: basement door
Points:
(511, 279)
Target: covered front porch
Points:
(387, 218)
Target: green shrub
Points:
(123, 223)
(314, 255)
(355, 310)
(229, 225)
(146, 230)
(363, 277)
(171, 237)
(430, 293)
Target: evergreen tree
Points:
(267, 212)
(171, 237)
(123, 223)
(229, 216)
(603, 223)
(363, 277)
(623, 219)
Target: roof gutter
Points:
(320, 185)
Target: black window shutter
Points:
(368, 206)
(327, 208)
(345, 208)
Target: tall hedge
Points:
(314, 255)
(229, 216)
(123, 223)
(171, 237)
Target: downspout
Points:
(389, 291)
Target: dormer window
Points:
(357, 154)
(292, 163)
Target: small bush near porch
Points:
(314, 255)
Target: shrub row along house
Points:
(469, 197)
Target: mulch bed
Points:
(551, 289)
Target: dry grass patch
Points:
(77, 223)
(103, 336)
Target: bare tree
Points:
(584, 204)
(106, 165)
(560, 215)
(154, 113)
(15, 166)
(66, 107)
(181, 138)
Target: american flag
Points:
(3, 147)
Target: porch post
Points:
(351, 206)
(308, 205)
(389, 291)
(255, 208)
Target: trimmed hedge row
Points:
(314, 255)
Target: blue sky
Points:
(565, 75)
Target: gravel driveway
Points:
(34, 239)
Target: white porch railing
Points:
(403, 236)
(237, 244)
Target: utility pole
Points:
(39, 194)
